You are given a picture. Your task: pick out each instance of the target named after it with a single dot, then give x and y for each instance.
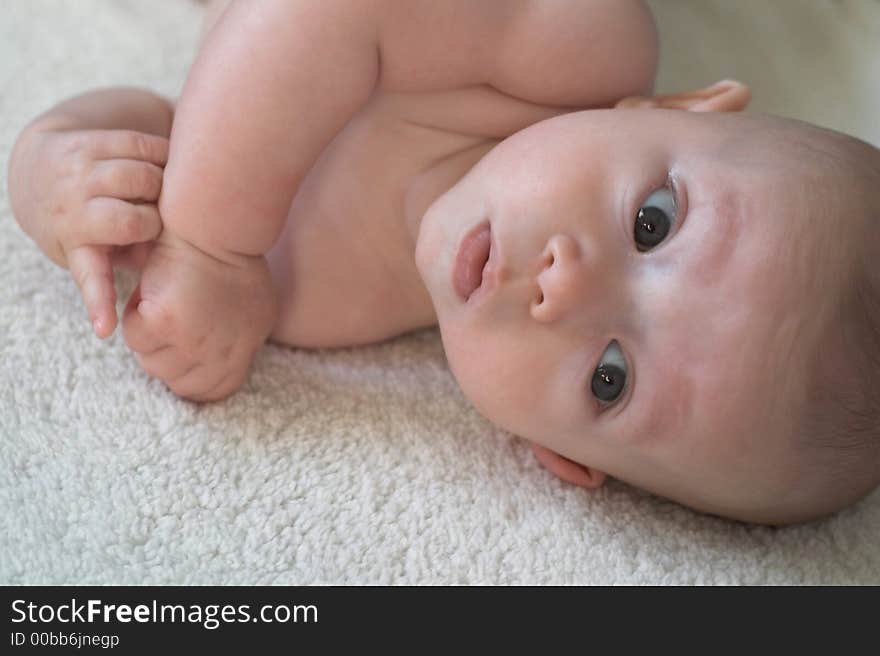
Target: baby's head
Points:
(688, 301)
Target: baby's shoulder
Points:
(567, 53)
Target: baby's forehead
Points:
(768, 258)
(805, 191)
(796, 150)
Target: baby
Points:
(642, 286)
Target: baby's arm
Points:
(275, 81)
(273, 84)
(84, 178)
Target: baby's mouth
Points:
(470, 261)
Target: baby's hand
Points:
(88, 199)
(196, 322)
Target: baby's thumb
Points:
(92, 271)
(138, 331)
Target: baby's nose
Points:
(561, 281)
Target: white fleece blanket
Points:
(364, 465)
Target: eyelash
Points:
(620, 401)
(677, 188)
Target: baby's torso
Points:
(344, 264)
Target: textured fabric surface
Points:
(364, 465)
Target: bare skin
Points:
(327, 161)
(84, 182)
(405, 99)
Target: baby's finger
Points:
(201, 386)
(91, 269)
(128, 179)
(129, 144)
(139, 331)
(115, 222)
(167, 363)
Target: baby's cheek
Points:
(500, 379)
(474, 374)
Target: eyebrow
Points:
(727, 211)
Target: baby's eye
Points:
(610, 375)
(655, 219)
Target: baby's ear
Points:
(569, 470)
(724, 96)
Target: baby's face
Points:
(644, 308)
